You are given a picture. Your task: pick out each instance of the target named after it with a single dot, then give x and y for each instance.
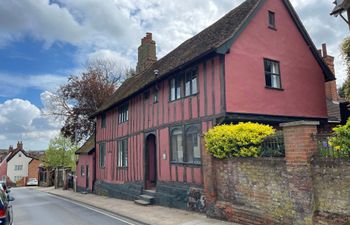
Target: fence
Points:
(273, 146)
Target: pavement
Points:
(152, 214)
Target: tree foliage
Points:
(345, 50)
(60, 153)
(341, 140)
(83, 94)
(240, 140)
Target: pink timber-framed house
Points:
(257, 63)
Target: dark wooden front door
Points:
(151, 162)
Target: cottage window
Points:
(123, 113)
(184, 84)
(102, 155)
(272, 74)
(155, 96)
(175, 88)
(82, 173)
(272, 20)
(177, 151)
(191, 82)
(122, 153)
(193, 154)
(103, 120)
(185, 146)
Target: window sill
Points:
(122, 122)
(273, 88)
(184, 97)
(122, 167)
(186, 164)
(272, 28)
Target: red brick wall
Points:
(290, 190)
(33, 169)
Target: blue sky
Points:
(43, 42)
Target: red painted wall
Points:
(144, 114)
(83, 161)
(301, 76)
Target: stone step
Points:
(149, 192)
(142, 202)
(147, 198)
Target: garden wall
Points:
(298, 189)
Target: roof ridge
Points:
(199, 45)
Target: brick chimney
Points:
(330, 86)
(146, 53)
(20, 145)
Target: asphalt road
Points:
(32, 207)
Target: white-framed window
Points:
(17, 178)
(272, 74)
(18, 167)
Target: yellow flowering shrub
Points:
(341, 140)
(240, 140)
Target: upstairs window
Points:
(102, 155)
(191, 82)
(18, 167)
(103, 120)
(272, 20)
(122, 153)
(176, 88)
(123, 113)
(184, 84)
(272, 74)
(155, 96)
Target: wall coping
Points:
(300, 123)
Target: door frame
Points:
(147, 160)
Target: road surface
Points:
(32, 207)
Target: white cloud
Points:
(113, 28)
(21, 120)
(109, 55)
(11, 85)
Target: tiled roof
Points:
(214, 39)
(333, 111)
(87, 147)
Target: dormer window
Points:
(272, 20)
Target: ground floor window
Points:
(185, 144)
(122, 153)
(17, 178)
(102, 155)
